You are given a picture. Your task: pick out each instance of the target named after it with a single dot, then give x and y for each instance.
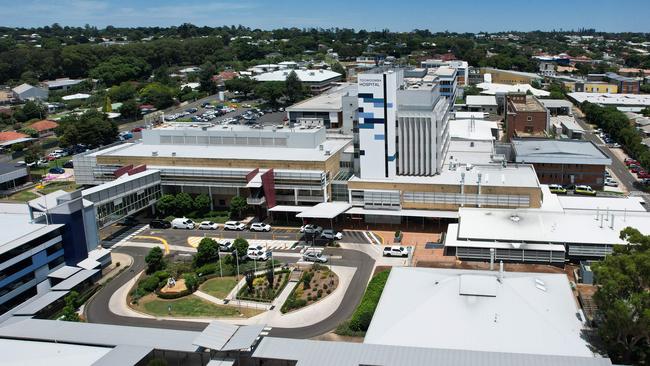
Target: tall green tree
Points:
(202, 203)
(237, 206)
(206, 83)
(183, 203)
(206, 252)
(158, 95)
(293, 88)
(623, 299)
(166, 205)
(241, 246)
(155, 260)
(337, 67)
(91, 128)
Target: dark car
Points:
(160, 224)
(68, 164)
(57, 170)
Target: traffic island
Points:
(315, 284)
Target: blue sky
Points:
(452, 15)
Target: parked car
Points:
(183, 223)
(208, 225)
(331, 235)
(53, 156)
(68, 164)
(260, 226)
(258, 253)
(160, 224)
(557, 189)
(635, 168)
(136, 129)
(396, 251)
(643, 174)
(234, 225)
(314, 256)
(586, 190)
(611, 182)
(311, 229)
(225, 246)
(629, 162)
(57, 170)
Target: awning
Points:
(325, 210)
(409, 213)
(282, 208)
(64, 272)
(38, 304)
(215, 335)
(74, 280)
(244, 337)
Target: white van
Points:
(182, 223)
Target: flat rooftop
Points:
(230, 152)
(524, 313)
(559, 152)
(612, 99)
(481, 100)
(208, 126)
(329, 101)
(20, 352)
(539, 226)
(16, 216)
(519, 175)
(472, 129)
(529, 105)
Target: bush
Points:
(345, 330)
(207, 269)
(149, 284)
(191, 281)
(363, 314)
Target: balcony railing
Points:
(256, 201)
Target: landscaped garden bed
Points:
(315, 284)
(190, 306)
(358, 324)
(259, 288)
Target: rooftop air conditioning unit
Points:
(154, 153)
(173, 153)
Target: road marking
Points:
(163, 241)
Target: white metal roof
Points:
(452, 240)
(233, 152)
(575, 202)
(215, 335)
(556, 103)
(307, 76)
(481, 100)
(472, 129)
(494, 88)
(244, 337)
(76, 96)
(124, 355)
(31, 307)
(538, 226)
(329, 101)
(20, 352)
(64, 272)
(623, 100)
(325, 210)
(466, 115)
(99, 334)
(72, 281)
(404, 213)
(307, 352)
(423, 307)
(286, 208)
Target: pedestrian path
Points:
(194, 241)
(356, 236)
(124, 237)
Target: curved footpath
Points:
(97, 310)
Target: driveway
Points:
(97, 309)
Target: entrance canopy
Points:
(409, 213)
(325, 210)
(285, 208)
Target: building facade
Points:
(525, 116)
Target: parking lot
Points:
(182, 237)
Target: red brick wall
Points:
(591, 175)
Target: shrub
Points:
(191, 281)
(207, 269)
(363, 314)
(328, 291)
(149, 284)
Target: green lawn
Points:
(191, 306)
(55, 186)
(219, 287)
(23, 196)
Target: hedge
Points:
(362, 316)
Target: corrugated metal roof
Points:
(123, 355)
(243, 338)
(74, 280)
(99, 334)
(215, 335)
(64, 272)
(39, 303)
(317, 353)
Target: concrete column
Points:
(295, 196)
(211, 200)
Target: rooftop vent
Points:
(154, 153)
(515, 218)
(328, 152)
(174, 153)
(321, 147)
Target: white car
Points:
(183, 223)
(234, 225)
(396, 251)
(208, 225)
(311, 229)
(315, 257)
(260, 226)
(331, 235)
(258, 253)
(611, 182)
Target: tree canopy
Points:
(623, 299)
(92, 128)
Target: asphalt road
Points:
(97, 309)
(623, 174)
(179, 237)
